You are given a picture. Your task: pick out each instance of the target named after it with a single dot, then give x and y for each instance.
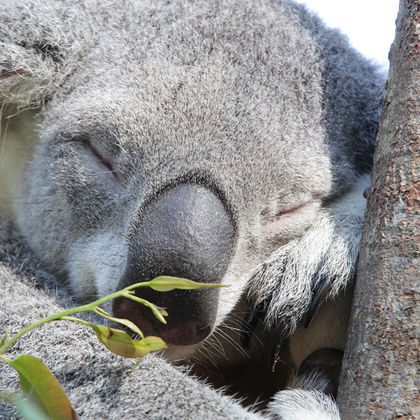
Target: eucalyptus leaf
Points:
(168, 283)
(120, 343)
(41, 387)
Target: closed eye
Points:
(283, 213)
(104, 166)
(288, 223)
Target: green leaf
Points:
(168, 283)
(40, 385)
(119, 342)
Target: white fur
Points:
(299, 404)
(304, 400)
(96, 264)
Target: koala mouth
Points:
(174, 333)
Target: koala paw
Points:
(301, 275)
(301, 404)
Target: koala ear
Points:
(35, 50)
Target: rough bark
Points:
(380, 371)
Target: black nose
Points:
(187, 232)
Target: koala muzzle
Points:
(185, 231)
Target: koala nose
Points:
(187, 232)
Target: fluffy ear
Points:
(36, 51)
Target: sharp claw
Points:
(319, 294)
(250, 322)
(280, 335)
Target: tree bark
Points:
(379, 378)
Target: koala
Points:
(224, 142)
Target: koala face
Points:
(123, 191)
(194, 143)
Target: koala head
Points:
(177, 139)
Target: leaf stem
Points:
(84, 308)
(162, 283)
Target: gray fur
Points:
(255, 100)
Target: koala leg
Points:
(315, 354)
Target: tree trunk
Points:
(379, 378)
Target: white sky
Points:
(369, 24)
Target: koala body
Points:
(224, 142)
